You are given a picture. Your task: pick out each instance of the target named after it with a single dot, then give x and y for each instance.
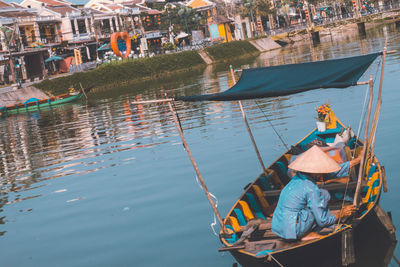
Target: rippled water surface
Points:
(106, 183)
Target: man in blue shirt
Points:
(302, 205)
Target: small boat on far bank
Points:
(33, 104)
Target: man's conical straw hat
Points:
(314, 160)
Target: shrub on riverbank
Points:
(121, 71)
(228, 51)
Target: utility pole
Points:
(250, 4)
(169, 21)
(8, 42)
(95, 34)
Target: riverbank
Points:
(132, 71)
(118, 72)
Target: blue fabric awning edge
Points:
(275, 81)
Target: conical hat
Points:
(314, 160)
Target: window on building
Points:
(81, 26)
(114, 25)
(90, 25)
(33, 36)
(42, 31)
(106, 26)
(73, 26)
(23, 35)
(52, 32)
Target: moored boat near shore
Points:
(36, 104)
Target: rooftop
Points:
(63, 10)
(54, 2)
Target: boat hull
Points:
(46, 105)
(374, 242)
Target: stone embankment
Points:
(12, 97)
(265, 44)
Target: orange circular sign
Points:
(114, 43)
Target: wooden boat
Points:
(371, 225)
(366, 239)
(36, 104)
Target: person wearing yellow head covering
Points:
(302, 205)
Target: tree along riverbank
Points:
(131, 70)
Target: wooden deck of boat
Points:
(270, 241)
(264, 239)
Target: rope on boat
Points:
(361, 122)
(196, 169)
(214, 223)
(363, 110)
(370, 99)
(270, 123)
(396, 260)
(272, 257)
(344, 197)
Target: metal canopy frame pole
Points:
(248, 126)
(177, 124)
(363, 155)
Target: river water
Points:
(105, 183)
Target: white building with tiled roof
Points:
(75, 25)
(95, 3)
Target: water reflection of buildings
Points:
(54, 145)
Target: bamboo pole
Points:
(373, 141)
(152, 101)
(83, 90)
(363, 155)
(362, 83)
(175, 117)
(248, 127)
(374, 125)
(252, 137)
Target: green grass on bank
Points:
(126, 70)
(231, 50)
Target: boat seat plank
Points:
(256, 246)
(254, 206)
(333, 186)
(259, 193)
(244, 207)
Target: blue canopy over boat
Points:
(293, 78)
